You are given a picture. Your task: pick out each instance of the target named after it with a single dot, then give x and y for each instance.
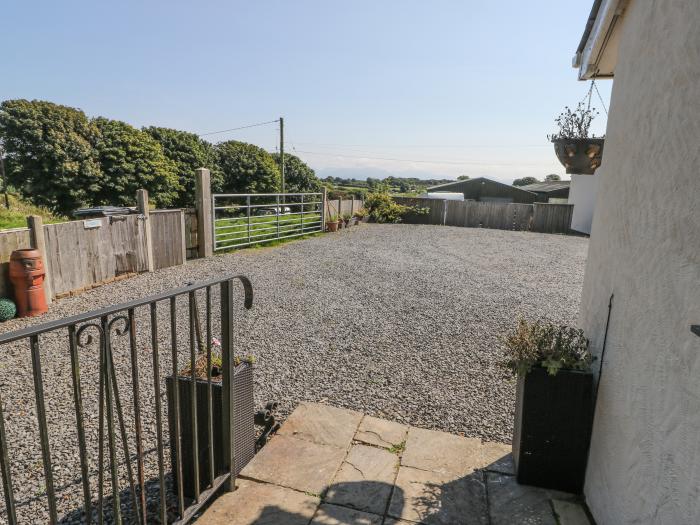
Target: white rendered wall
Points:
(644, 465)
(582, 194)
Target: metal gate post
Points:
(247, 202)
(227, 416)
(302, 213)
(278, 216)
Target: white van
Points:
(444, 195)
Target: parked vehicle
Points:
(273, 210)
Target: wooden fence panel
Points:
(332, 208)
(10, 240)
(191, 240)
(168, 238)
(552, 218)
(338, 207)
(80, 256)
(522, 216)
(456, 213)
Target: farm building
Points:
(485, 190)
(556, 191)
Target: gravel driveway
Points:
(399, 321)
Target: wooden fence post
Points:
(324, 201)
(183, 236)
(142, 206)
(205, 227)
(38, 241)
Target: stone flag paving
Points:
(331, 466)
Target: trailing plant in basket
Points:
(554, 347)
(574, 124)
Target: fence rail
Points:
(101, 330)
(538, 217)
(245, 219)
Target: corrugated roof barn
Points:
(556, 189)
(486, 190)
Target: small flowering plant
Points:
(200, 365)
(554, 347)
(574, 124)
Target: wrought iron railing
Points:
(96, 335)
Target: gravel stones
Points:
(401, 322)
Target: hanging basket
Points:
(579, 156)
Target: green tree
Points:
(525, 181)
(50, 157)
(463, 177)
(246, 168)
(552, 177)
(298, 176)
(188, 152)
(132, 159)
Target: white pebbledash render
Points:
(644, 464)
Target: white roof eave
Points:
(589, 60)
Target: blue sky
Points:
(442, 88)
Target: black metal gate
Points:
(111, 351)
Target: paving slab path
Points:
(330, 466)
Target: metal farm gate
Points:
(244, 219)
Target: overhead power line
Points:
(239, 127)
(427, 146)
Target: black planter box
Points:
(553, 418)
(243, 431)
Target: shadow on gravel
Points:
(126, 500)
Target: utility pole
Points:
(282, 151)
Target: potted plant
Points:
(346, 217)
(244, 434)
(579, 152)
(553, 406)
(361, 215)
(332, 223)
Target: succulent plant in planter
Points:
(554, 404)
(579, 152)
(346, 217)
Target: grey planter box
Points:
(243, 429)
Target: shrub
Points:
(246, 169)
(550, 346)
(7, 309)
(50, 156)
(187, 151)
(131, 159)
(382, 208)
(298, 176)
